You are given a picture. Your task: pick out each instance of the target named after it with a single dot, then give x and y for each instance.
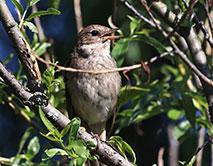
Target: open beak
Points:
(107, 35)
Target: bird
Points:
(93, 97)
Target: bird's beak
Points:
(107, 35)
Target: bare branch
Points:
(127, 68)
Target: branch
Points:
(196, 51)
(22, 48)
(78, 16)
(127, 68)
(137, 13)
(40, 31)
(107, 154)
(199, 23)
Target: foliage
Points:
(172, 92)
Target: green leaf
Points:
(43, 12)
(35, 40)
(153, 42)
(188, 108)
(49, 153)
(90, 145)
(129, 150)
(75, 124)
(123, 147)
(20, 160)
(53, 130)
(8, 59)
(31, 26)
(27, 134)
(42, 48)
(27, 4)
(192, 161)
(181, 130)
(30, 3)
(54, 3)
(18, 6)
(33, 147)
(120, 50)
(79, 148)
(33, 2)
(66, 129)
(128, 93)
(175, 114)
(49, 137)
(26, 37)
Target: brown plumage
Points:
(93, 97)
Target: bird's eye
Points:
(94, 33)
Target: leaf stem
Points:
(22, 19)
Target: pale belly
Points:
(93, 100)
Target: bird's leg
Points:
(99, 129)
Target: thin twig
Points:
(200, 24)
(127, 68)
(181, 20)
(206, 4)
(198, 150)
(137, 13)
(40, 32)
(4, 160)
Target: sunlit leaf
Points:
(33, 2)
(33, 147)
(49, 153)
(9, 58)
(42, 48)
(123, 147)
(31, 26)
(175, 114)
(66, 129)
(75, 124)
(181, 130)
(18, 6)
(48, 124)
(43, 12)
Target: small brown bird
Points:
(93, 97)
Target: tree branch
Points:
(107, 154)
(196, 51)
(22, 48)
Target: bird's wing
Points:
(110, 122)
